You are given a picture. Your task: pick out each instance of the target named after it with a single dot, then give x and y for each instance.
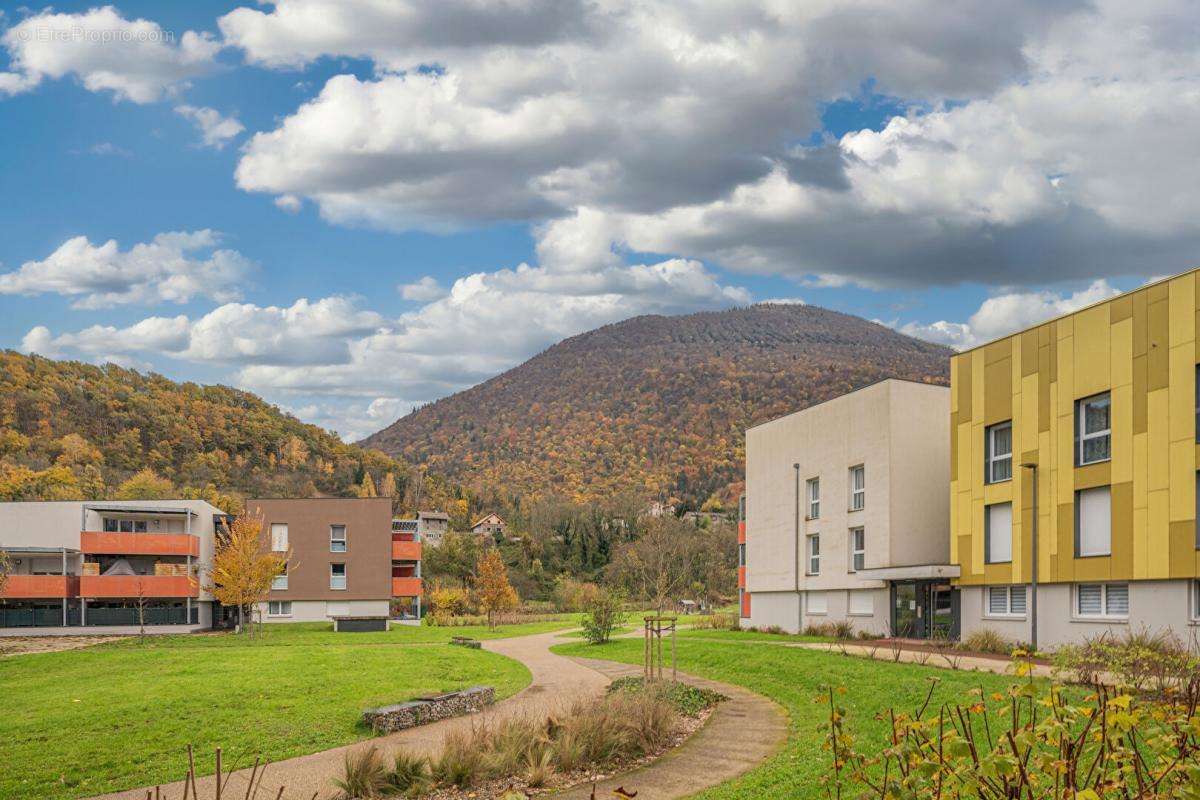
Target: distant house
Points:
(491, 525)
(660, 509)
(429, 526)
(702, 518)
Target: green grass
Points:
(794, 678)
(120, 715)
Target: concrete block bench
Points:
(466, 641)
(424, 710)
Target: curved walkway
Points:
(739, 735)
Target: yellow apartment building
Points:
(1100, 408)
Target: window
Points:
(814, 554)
(1198, 402)
(1092, 429)
(742, 555)
(858, 488)
(279, 608)
(112, 525)
(814, 498)
(1102, 600)
(858, 549)
(862, 603)
(337, 576)
(997, 447)
(280, 581)
(1093, 522)
(1006, 601)
(279, 537)
(818, 603)
(997, 533)
(337, 538)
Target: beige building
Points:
(847, 516)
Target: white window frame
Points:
(1008, 612)
(812, 550)
(988, 537)
(1081, 425)
(1079, 550)
(808, 598)
(858, 494)
(278, 585)
(279, 606)
(869, 594)
(992, 459)
(1104, 614)
(276, 541)
(345, 576)
(814, 498)
(345, 540)
(858, 552)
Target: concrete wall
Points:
(1153, 606)
(899, 432)
(317, 610)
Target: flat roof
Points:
(1080, 310)
(862, 388)
(119, 509)
(21, 548)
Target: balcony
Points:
(406, 587)
(140, 544)
(40, 586)
(405, 551)
(741, 577)
(127, 586)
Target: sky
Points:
(353, 207)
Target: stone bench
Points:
(424, 710)
(466, 641)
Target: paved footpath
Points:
(739, 735)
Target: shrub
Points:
(716, 622)
(686, 699)
(365, 775)
(461, 761)
(823, 630)
(603, 616)
(1139, 660)
(986, 640)
(1036, 740)
(410, 775)
(574, 595)
(842, 629)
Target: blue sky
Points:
(954, 181)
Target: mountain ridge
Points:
(654, 404)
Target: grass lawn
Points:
(118, 716)
(794, 678)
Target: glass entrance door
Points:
(906, 614)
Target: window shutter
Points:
(1089, 596)
(817, 603)
(997, 600)
(1095, 521)
(861, 602)
(1017, 594)
(1116, 600)
(999, 533)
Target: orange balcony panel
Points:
(741, 577)
(127, 586)
(406, 587)
(746, 604)
(41, 586)
(406, 551)
(742, 531)
(140, 544)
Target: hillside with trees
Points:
(654, 405)
(70, 430)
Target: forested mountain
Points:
(653, 405)
(70, 430)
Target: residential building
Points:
(83, 564)
(845, 515)
(490, 525)
(347, 559)
(1100, 408)
(429, 526)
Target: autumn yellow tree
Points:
(493, 592)
(5, 570)
(146, 485)
(243, 568)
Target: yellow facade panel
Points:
(1066, 542)
(1183, 549)
(1140, 390)
(1090, 345)
(962, 390)
(1120, 308)
(1183, 392)
(1141, 546)
(1025, 424)
(1030, 355)
(1182, 299)
(1122, 531)
(1065, 382)
(1183, 481)
(977, 541)
(1139, 470)
(1122, 434)
(1121, 353)
(1158, 544)
(1157, 336)
(1157, 439)
(997, 391)
(1140, 322)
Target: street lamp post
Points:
(1033, 605)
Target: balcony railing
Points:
(40, 586)
(131, 586)
(144, 544)
(406, 551)
(406, 587)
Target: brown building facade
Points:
(344, 559)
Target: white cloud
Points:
(216, 131)
(289, 203)
(136, 60)
(109, 149)
(1007, 313)
(657, 127)
(423, 290)
(172, 268)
